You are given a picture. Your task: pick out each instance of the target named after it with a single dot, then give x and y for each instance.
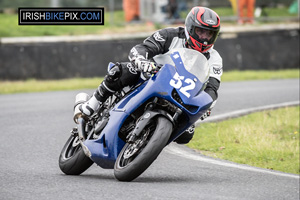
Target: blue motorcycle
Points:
(135, 124)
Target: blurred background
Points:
(170, 11)
(261, 34)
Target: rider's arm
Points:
(158, 43)
(216, 71)
(212, 87)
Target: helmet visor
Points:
(204, 34)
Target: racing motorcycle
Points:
(133, 126)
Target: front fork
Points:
(149, 114)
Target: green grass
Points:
(260, 75)
(268, 139)
(32, 85)
(275, 12)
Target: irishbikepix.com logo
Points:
(61, 16)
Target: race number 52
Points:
(176, 82)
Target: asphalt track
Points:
(35, 126)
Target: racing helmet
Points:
(202, 27)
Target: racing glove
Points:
(143, 64)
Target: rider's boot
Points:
(94, 103)
(186, 136)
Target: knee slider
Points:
(112, 79)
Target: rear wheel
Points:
(135, 158)
(72, 160)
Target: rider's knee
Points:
(112, 79)
(114, 73)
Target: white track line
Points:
(179, 151)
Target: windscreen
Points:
(193, 61)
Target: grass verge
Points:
(260, 75)
(32, 85)
(9, 87)
(268, 139)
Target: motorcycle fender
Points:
(145, 119)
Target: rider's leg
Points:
(121, 75)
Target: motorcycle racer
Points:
(202, 26)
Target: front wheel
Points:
(72, 160)
(135, 158)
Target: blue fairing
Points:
(105, 149)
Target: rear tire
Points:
(72, 160)
(127, 169)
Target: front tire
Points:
(72, 160)
(127, 167)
